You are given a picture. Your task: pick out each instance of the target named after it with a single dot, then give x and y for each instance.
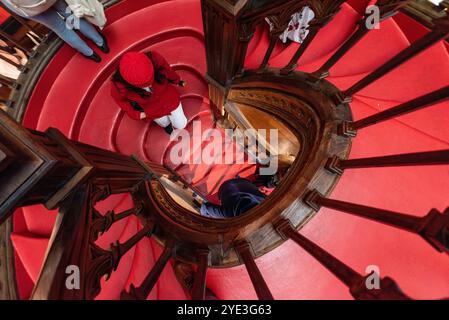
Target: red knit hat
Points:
(137, 69)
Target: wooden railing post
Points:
(427, 100)
(104, 262)
(440, 157)
(199, 283)
(352, 279)
(73, 244)
(103, 223)
(226, 43)
(329, 8)
(142, 292)
(260, 286)
(434, 227)
(65, 249)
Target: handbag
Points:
(92, 10)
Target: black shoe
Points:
(169, 129)
(104, 47)
(94, 57)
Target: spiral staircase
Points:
(367, 106)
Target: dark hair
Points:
(117, 77)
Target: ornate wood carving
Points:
(33, 166)
(104, 262)
(100, 224)
(226, 44)
(73, 243)
(142, 292)
(307, 109)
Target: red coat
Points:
(161, 102)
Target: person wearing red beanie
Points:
(144, 87)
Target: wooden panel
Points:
(6, 157)
(257, 119)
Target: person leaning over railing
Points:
(54, 14)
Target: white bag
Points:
(91, 10)
(297, 29)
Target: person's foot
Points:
(94, 57)
(105, 47)
(185, 274)
(169, 129)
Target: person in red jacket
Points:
(144, 87)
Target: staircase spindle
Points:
(329, 10)
(343, 272)
(260, 286)
(387, 8)
(17, 44)
(142, 292)
(101, 224)
(273, 39)
(23, 22)
(358, 35)
(146, 231)
(440, 157)
(410, 223)
(104, 262)
(11, 62)
(427, 100)
(352, 279)
(434, 227)
(293, 64)
(199, 284)
(440, 32)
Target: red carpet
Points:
(73, 96)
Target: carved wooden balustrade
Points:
(45, 167)
(73, 176)
(233, 85)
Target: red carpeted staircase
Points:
(73, 96)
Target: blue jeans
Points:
(52, 19)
